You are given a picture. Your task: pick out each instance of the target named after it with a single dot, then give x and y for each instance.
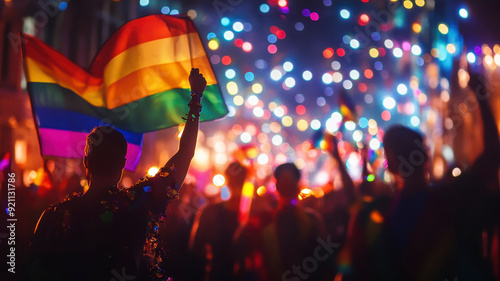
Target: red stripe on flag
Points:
(45, 55)
(133, 33)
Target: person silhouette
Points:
(101, 234)
(431, 232)
(214, 228)
(292, 235)
(478, 197)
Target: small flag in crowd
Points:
(347, 107)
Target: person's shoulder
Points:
(127, 193)
(56, 213)
(66, 205)
(163, 179)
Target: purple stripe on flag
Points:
(72, 144)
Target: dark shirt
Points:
(434, 233)
(279, 243)
(218, 224)
(80, 239)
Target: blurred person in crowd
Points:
(214, 228)
(427, 232)
(362, 230)
(346, 204)
(249, 245)
(478, 199)
(289, 238)
(340, 200)
(178, 261)
(338, 203)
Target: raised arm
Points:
(477, 83)
(346, 178)
(488, 162)
(179, 163)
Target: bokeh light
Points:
(389, 103)
(345, 14)
(463, 13)
(307, 75)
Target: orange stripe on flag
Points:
(154, 79)
(56, 62)
(43, 73)
(131, 34)
(162, 51)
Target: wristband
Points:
(194, 104)
(196, 93)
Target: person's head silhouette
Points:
(105, 151)
(287, 180)
(405, 152)
(236, 174)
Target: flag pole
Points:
(24, 41)
(188, 21)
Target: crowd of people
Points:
(418, 231)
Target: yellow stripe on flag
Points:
(154, 79)
(139, 84)
(162, 51)
(41, 73)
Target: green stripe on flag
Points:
(155, 112)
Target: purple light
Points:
(328, 91)
(215, 59)
(306, 12)
(478, 51)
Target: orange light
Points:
(318, 193)
(376, 217)
(304, 193)
(261, 190)
(416, 27)
(368, 74)
(328, 53)
(20, 152)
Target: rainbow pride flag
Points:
(137, 83)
